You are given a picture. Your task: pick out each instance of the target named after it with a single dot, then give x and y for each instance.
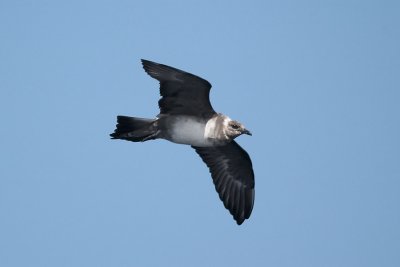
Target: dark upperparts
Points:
(181, 93)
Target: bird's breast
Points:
(190, 131)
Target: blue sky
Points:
(317, 82)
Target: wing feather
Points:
(232, 172)
(182, 93)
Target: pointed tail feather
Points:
(134, 129)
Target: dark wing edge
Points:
(164, 73)
(232, 173)
(181, 92)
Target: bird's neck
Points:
(216, 128)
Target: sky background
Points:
(317, 83)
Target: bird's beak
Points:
(247, 132)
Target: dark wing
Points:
(232, 172)
(181, 92)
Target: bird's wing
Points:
(232, 172)
(181, 93)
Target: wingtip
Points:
(146, 62)
(150, 67)
(239, 221)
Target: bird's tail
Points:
(135, 129)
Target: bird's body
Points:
(194, 131)
(187, 117)
(188, 130)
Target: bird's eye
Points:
(235, 126)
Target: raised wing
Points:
(232, 172)
(181, 93)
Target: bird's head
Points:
(235, 128)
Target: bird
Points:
(187, 117)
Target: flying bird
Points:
(187, 117)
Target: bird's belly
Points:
(190, 132)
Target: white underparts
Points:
(188, 130)
(209, 131)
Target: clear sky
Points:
(317, 82)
